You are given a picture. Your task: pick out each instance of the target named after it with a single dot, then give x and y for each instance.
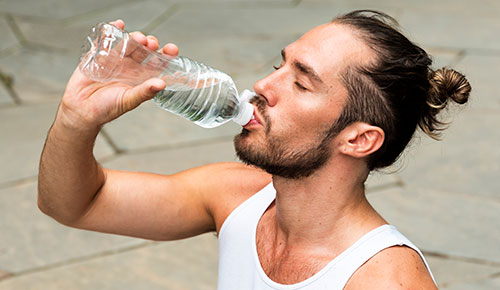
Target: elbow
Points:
(42, 204)
(48, 210)
(44, 208)
(54, 214)
(52, 211)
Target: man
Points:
(345, 100)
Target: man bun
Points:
(445, 85)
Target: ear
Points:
(361, 139)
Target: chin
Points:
(242, 141)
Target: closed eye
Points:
(301, 87)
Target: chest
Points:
(286, 265)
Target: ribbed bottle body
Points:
(195, 91)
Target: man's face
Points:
(298, 104)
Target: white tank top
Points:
(240, 268)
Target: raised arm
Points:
(69, 175)
(75, 190)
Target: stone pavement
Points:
(445, 196)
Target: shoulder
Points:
(224, 186)
(397, 267)
(230, 177)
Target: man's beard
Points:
(277, 158)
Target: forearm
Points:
(69, 176)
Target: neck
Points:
(327, 205)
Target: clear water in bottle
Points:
(210, 104)
(201, 94)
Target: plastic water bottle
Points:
(195, 91)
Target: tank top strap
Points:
(383, 237)
(253, 208)
(237, 262)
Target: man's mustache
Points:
(261, 104)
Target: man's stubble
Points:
(274, 154)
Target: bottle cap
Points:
(245, 108)
(245, 96)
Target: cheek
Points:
(305, 114)
(313, 114)
(299, 120)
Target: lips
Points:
(257, 116)
(255, 120)
(259, 104)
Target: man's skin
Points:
(312, 220)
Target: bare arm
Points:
(69, 175)
(76, 191)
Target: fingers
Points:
(149, 41)
(139, 37)
(153, 42)
(118, 23)
(136, 52)
(170, 49)
(143, 92)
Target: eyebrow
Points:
(304, 68)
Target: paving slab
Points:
(177, 265)
(5, 98)
(234, 55)
(464, 8)
(467, 160)
(443, 57)
(56, 9)
(30, 240)
(39, 75)
(69, 35)
(379, 181)
(241, 3)
(23, 130)
(216, 20)
(8, 37)
(482, 72)
(483, 284)
(388, 7)
(444, 198)
(452, 224)
(451, 30)
(149, 126)
(136, 14)
(449, 271)
(438, 23)
(176, 159)
(4, 274)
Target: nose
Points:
(266, 88)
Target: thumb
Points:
(141, 93)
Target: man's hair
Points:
(398, 90)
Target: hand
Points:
(87, 105)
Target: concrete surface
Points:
(445, 196)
